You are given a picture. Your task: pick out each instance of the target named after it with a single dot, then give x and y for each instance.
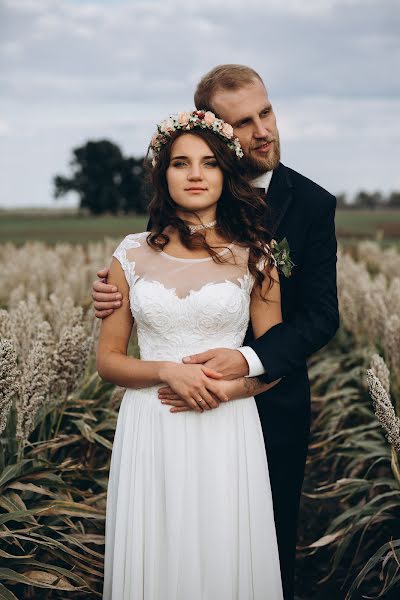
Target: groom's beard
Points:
(260, 164)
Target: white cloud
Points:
(11, 49)
(29, 6)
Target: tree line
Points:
(108, 182)
(369, 200)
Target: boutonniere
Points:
(281, 253)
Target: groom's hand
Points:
(231, 363)
(106, 297)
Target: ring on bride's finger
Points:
(201, 400)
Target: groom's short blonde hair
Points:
(222, 77)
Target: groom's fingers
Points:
(211, 373)
(168, 394)
(170, 397)
(165, 390)
(196, 359)
(171, 402)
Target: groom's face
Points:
(250, 113)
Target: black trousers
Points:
(285, 420)
(286, 466)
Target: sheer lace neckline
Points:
(169, 256)
(143, 265)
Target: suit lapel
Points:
(279, 196)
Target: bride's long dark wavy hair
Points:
(241, 211)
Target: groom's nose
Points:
(259, 130)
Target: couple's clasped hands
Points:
(203, 382)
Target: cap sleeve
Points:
(127, 262)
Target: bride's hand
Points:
(195, 385)
(167, 396)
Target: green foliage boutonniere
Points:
(281, 254)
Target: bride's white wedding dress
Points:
(189, 506)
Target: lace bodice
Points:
(184, 306)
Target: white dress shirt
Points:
(263, 180)
(255, 365)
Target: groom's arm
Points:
(287, 345)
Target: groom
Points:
(303, 213)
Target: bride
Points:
(189, 506)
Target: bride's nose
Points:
(194, 173)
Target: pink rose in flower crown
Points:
(227, 130)
(183, 118)
(154, 139)
(209, 118)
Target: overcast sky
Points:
(73, 70)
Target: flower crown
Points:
(199, 119)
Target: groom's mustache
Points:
(262, 142)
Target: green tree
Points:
(105, 181)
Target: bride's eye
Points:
(211, 163)
(178, 163)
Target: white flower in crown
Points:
(167, 126)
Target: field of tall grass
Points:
(57, 422)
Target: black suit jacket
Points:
(304, 213)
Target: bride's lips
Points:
(195, 190)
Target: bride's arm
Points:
(264, 315)
(113, 364)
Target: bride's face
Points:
(194, 178)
